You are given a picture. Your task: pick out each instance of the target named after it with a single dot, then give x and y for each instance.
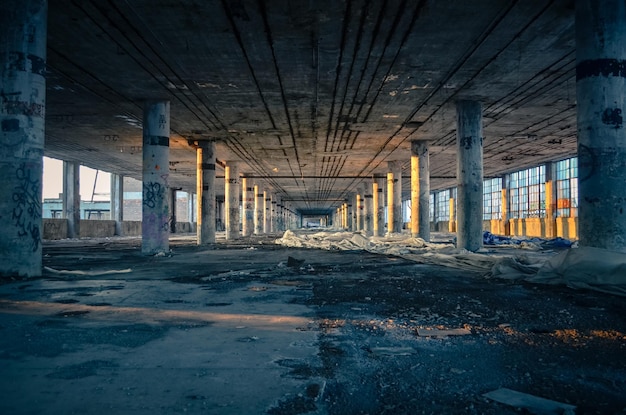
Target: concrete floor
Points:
(232, 329)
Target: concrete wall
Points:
(57, 228)
(54, 228)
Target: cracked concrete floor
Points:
(232, 329)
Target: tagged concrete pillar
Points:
(71, 198)
(469, 173)
(205, 190)
(155, 210)
(247, 199)
(231, 199)
(601, 106)
(22, 110)
(117, 202)
(420, 190)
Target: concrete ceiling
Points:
(313, 96)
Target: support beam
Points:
(155, 209)
(205, 190)
(420, 190)
(469, 139)
(71, 198)
(117, 202)
(600, 92)
(247, 199)
(391, 210)
(550, 202)
(394, 198)
(378, 206)
(368, 220)
(231, 199)
(274, 214)
(172, 203)
(359, 209)
(267, 204)
(258, 210)
(350, 218)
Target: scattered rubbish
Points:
(392, 351)
(531, 403)
(442, 333)
(251, 248)
(294, 263)
(89, 273)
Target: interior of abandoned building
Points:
(324, 207)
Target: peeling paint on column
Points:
(612, 117)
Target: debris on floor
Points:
(530, 403)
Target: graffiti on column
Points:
(152, 193)
(26, 213)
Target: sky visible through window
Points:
(53, 181)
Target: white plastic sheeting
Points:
(584, 267)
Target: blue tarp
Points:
(491, 239)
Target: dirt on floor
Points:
(252, 327)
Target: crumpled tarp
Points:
(583, 267)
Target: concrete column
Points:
(452, 220)
(71, 198)
(219, 213)
(267, 204)
(191, 212)
(359, 209)
(273, 214)
(550, 202)
(22, 109)
(391, 210)
(469, 175)
(205, 190)
(247, 199)
(231, 199)
(281, 224)
(258, 210)
(504, 207)
(368, 220)
(155, 209)
(395, 167)
(378, 206)
(117, 202)
(420, 190)
(350, 221)
(600, 92)
(172, 203)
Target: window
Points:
(492, 199)
(442, 212)
(567, 188)
(528, 193)
(431, 207)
